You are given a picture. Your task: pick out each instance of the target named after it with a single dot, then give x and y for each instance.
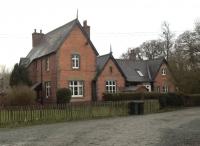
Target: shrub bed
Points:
(165, 100)
(63, 95)
(19, 96)
(192, 100)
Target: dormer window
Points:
(75, 61)
(164, 71)
(139, 73)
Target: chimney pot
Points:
(37, 37)
(40, 30)
(86, 28)
(85, 23)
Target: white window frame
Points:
(47, 64)
(165, 89)
(75, 61)
(47, 89)
(140, 73)
(148, 86)
(158, 89)
(164, 71)
(79, 86)
(111, 86)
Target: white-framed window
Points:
(164, 71)
(158, 89)
(75, 61)
(76, 88)
(165, 89)
(148, 86)
(140, 73)
(47, 64)
(47, 89)
(111, 86)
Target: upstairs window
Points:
(75, 61)
(140, 73)
(47, 64)
(111, 87)
(164, 71)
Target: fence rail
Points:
(52, 113)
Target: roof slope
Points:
(52, 40)
(148, 68)
(102, 61)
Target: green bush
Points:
(165, 100)
(63, 95)
(192, 100)
(20, 96)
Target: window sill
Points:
(75, 68)
(77, 96)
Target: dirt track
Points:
(164, 129)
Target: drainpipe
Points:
(42, 100)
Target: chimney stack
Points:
(37, 37)
(86, 28)
(132, 55)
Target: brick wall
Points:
(76, 43)
(105, 75)
(167, 79)
(36, 76)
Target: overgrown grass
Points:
(15, 116)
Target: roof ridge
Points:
(74, 20)
(104, 55)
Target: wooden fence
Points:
(18, 115)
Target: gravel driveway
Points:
(164, 129)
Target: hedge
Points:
(165, 100)
(63, 95)
(192, 100)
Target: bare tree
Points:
(167, 37)
(4, 78)
(152, 49)
(188, 43)
(132, 54)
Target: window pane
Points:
(80, 90)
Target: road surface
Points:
(176, 128)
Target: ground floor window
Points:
(111, 87)
(165, 89)
(47, 89)
(158, 89)
(76, 88)
(148, 86)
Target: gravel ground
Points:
(164, 129)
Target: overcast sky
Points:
(121, 23)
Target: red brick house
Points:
(153, 74)
(66, 57)
(110, 78)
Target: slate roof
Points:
(24, 61)
(102, 60)
(52, 41)
(148, 68)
